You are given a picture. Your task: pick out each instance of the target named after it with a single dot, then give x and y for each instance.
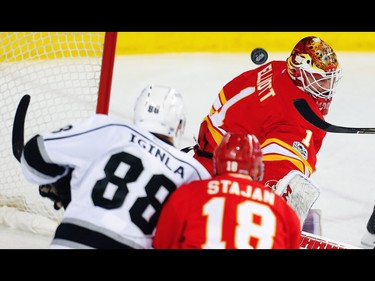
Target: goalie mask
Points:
(313, 66)
(239, 153)
(159, 109)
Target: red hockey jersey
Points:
(227, 212)
(260, 101)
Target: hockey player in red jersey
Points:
(260, 101)
(233, 210)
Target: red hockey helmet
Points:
(313, 66)
(239, 153)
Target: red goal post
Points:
(105, 83)
(68, 76)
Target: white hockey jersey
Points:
(121, 177)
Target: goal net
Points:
(68, 76)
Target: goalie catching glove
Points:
(58, 192)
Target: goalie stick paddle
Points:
(19, 126)
(304, 109)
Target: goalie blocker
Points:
(299, 192)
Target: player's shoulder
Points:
(277, 66)
(278, 63)
(274, 65)
(99, 119)
(92, 122)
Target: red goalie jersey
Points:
(260, 101)
(227, 212)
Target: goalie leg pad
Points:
(299, 192)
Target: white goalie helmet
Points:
(160, 109)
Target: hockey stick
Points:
(19, 126)
(304, 109)
(316, 242)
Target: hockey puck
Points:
(259, 56)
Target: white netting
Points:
(61, 72)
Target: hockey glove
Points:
(58, 192)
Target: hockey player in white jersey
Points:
(113, 176)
